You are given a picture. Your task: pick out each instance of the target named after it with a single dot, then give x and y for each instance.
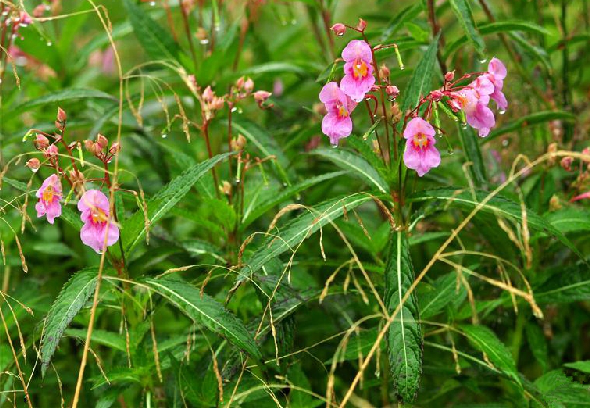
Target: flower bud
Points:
(89, 145)
(102, 141)
(586, 152)
(554, 203)
(77, 177)
(239, 143)
(39, 11)
(392, 91)
(115, 147)
(374, 88)
(217, 103)
(201, 34)
(436, 95)
(208, 94)
(566, 163)
(249, 85)
(240, 82)
(225, 188)
(51, 151)
(384, 72)
(449, 76)
(34, 164)
(361, 25)
(61, 115)
(41, 142)
(339, 29)
(261, 96)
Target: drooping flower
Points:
(337, 123)
(358, 70)
(475, 105)
(94, 206)
(496, 74)
(420, 153)
(49, 195)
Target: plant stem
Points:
(435, 31)
(187, 30)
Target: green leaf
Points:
(264, 143)
(260, 208)
(498, 206)
(472, 151)
(63, 96)
(570, 220)
(71, 299)
(497, 27)
(486, 341)
(570, 284)
(298, 230)
(464, 15)
(404, 337)
(103, 337)
(421, 78)
(560, 391)
(530, 120)
(537, 343)
(358, 166)
(583, 366)
(205, 310)
(445, 291)
(155, 40)
(407, 14)
(134, 228)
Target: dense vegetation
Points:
(300, 203)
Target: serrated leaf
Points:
(486, 341)
(357, 165)
(537, 343)
(134, 228)
(570, 284)
(264, 143)
(560, 391)
(445, 291)
(103, 337)
(296, 231)
(205, 310)
(570, 220)
(497, 205)
(68, 303)
(155, 40)
(465, 16)
(404, 337)
(260, 208)
(583, 366)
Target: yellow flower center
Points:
(98, 215)
(421, 141)
(48, 194)
(359, 69)
(342, 112)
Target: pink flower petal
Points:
(357, 49)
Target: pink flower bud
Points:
(41, 142)
(217, 103)
(566, 163)
(261, 96)
(436, 95)
(51, 151)
(208, 94)
(34, 164)
(102, 141)
(115, 147)
(449, 76)
(249, 85)
(61, 115)
(374, 88)
(240, 82)
(361, 25)
(339, 29)
(39, 11)
(384, 72)
(392, 91)
(89, 145)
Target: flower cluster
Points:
(470, 101)
(99, 226)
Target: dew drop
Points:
(483, 61)
(164, 135)
(358, 66)
(334, 146)
(204, 41)
(402, 67)
(49, 43)
(237, 181)
(340, 34)
(234, 109)
(152, 3)
(505, 142)
(502, 112)
(464, 125)
(35, 170)
(285, 184)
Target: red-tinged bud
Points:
(249, 85)
(261, 96)
(34, 164)
(41, 142)
(239, 143)
(39, 11)
(436, 95)
(374, 88)
(59, 125)
(115, 147)
(208, 94)
(361, 25)
(61, 115)
(51, 151)
(449, 76)
(392, 91)
(240, 83)
(217, 103)
(339, 29)
(89, 145)
(384, 72)
(102, 141)
(77, 177)
(566, 163)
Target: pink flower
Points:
(358, 70)
(420, 153)
(95, 209)
(337, 123)
(496, 74)
(49, 195)
(477, 113)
